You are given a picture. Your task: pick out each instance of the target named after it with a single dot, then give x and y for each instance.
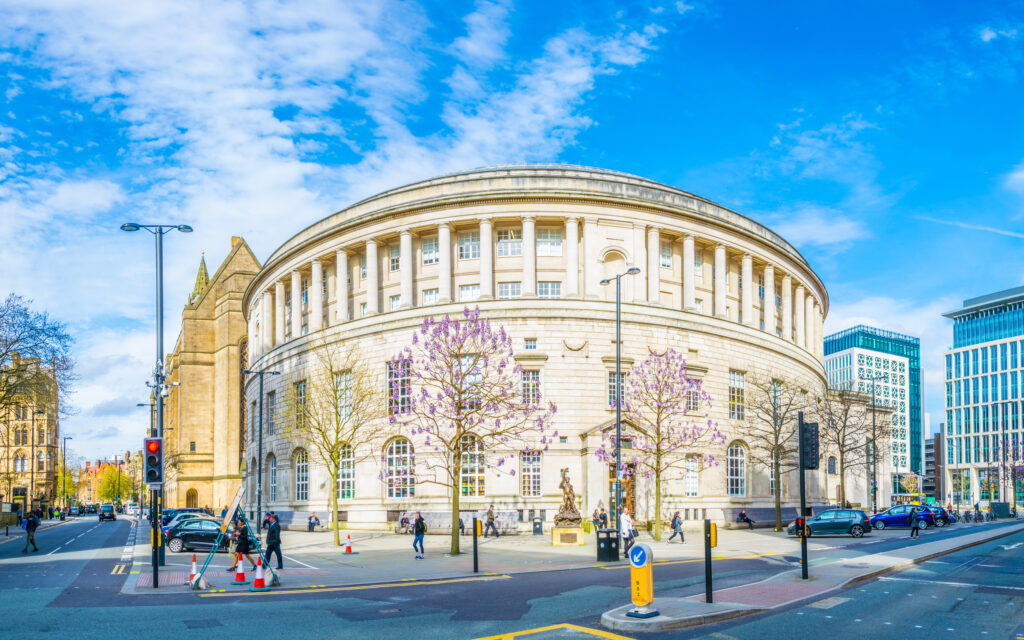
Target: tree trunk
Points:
(778, 495)
(842, 480)
(657, 504)
(456, 475)
(334, 508)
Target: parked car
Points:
(899, 516)
(836, 522)
(166, 515)
(73, 511)
(197, 533)
(941, 516)
(107, 512)
(182, 517)
(132, 509)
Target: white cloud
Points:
(988, 34)
(813, 225)
(1014, 181)
(974, 227)
(487, 31)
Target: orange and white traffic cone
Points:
(258, 584)
(240, 573)
(348, 547)
(192, 573)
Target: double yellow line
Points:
(118, 570)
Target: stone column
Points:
(279, 312)
(572, 258)
(591, 269)
(250, 330)
(639, 260)
(444, 250)
(332, 290)
(653, 265)
(342, 272)
(296, 304)
(819, 341)
(799, 311)
(787, 308)
(267, 322)
(406, 267)
(486, 259)
(809, 324)
(372, 281)
(689, 275)
(529, 257)
(747, 295)
(769, 299)
(720, 282)
(316, 300)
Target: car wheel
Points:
(856, 531)
(879, 525)
(175, 545)
(941, 522)
(923, 524)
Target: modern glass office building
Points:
(984, 385)
(856, 355)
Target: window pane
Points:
(549, 241)
(430, 252)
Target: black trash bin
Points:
(607, 545)
(538, 526)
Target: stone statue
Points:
(568, 514)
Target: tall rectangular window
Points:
(984, 360)
(549, 241)
(736, 395)
(469, 292)
(531, 386)
(957, 364)
(346, 474)
(271, 411)
(691, 477)
(469, 245)
(395, 302)
(509, 290)
(549, 289)
(1003, 360)
(736, 471)
(1013, 355)
(362, 266)
(343, 392)
(611, 387)
(398, 389)
(698, 266)
(431, 255)
(510, 243)
(299, 388)
(529, 474)
(472, 474)
(665, 255)
(394, 258)
(430, 296)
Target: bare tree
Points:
(331, 405)
(843, 429)
(770, 426)
(35, 353)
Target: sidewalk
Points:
(787, 588)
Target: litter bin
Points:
(607, 545)
(538, 526)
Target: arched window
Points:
(191, 499)
(736, 470)
(832, 465)
(399, 474)
(346, 473)
(272, 477)
(471, 478)
(691, 477)
(301, 475)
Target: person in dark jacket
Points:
(490, 523)
(677, 528)
(915, 524)
(312, 523)
(604, 519)
(404, 524)
(419, 529)
(242, 546)
(31, 524)
(273, 541)
(743, 517)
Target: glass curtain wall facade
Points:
(866, 338)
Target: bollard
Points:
(476, 567)
(710, 540)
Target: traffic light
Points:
(801, 527)
(809, 446)
(153, 448)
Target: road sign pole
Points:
(707, 562)
(803, 499)
(476, 567)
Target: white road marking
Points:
(298, 562)
(950, 584)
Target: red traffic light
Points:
(152, 446)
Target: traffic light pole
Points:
(803, 501)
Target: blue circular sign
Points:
(638, 556)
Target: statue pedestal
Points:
(567, 536)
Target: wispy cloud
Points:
(988, 34)
(973, 227)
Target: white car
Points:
(131, 509)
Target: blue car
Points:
(899, 516)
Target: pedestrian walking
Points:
(242, 546)
(628, 533)
(677, 528)
(20, 518)
(273, 540)
(31, 524)
(604, 519)
(223, 512)
(312, 523)
(419, 529)
(915, 524)
(490, 522)
(403, 523)
(596, 520)
(462, 527)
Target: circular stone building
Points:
(530, 245)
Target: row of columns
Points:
(801, 314)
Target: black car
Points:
(92, 508)
(107, 512)
(200, 533)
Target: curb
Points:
(610, 622)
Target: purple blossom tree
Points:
(662, 403)
(460, 394)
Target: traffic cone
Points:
(348, 547)
(240, 573)
(258, 584)
(192, 573)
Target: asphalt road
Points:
(71, 588)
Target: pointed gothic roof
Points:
(202, 280)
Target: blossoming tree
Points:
(669, 432)
(458, 390)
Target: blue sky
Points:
(883, 139)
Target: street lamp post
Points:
(117, 490)
(64, 478)
(32, 471)
(874, 440)
(616, 507)
(158, 231)
(259, 452)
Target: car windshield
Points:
(106, 508)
